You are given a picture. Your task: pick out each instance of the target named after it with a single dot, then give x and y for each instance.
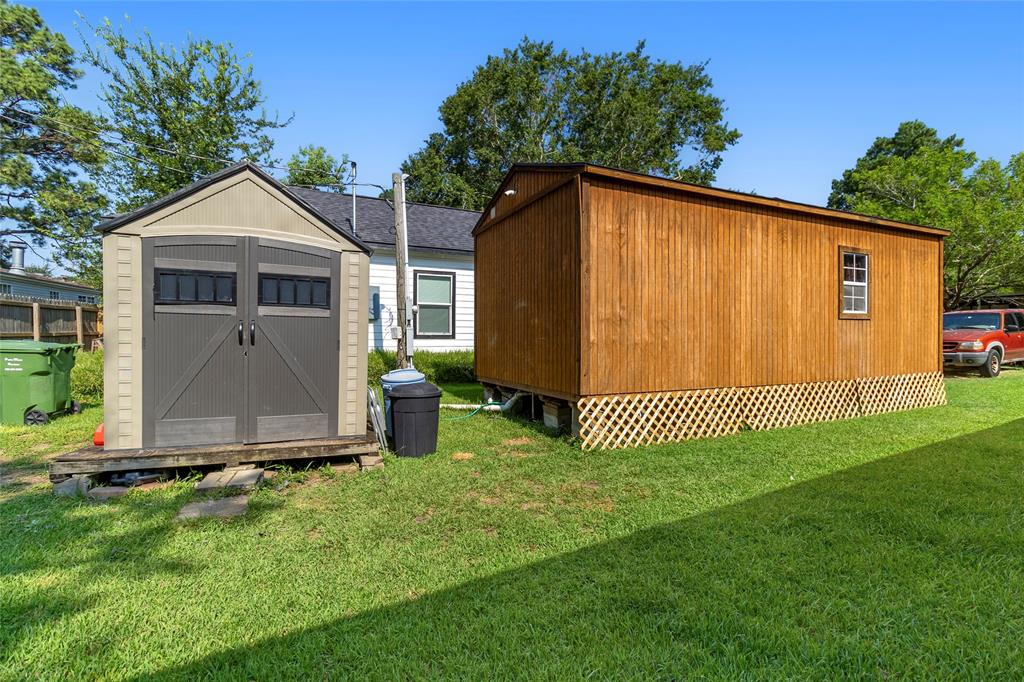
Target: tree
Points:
(981, 203)
(177, 114)
(910, 138)
(314, 166)
(537, 104)
(43, 196)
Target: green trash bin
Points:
(35, 381)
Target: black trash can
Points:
(415, 410)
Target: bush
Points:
(440, 367)
(87, 377)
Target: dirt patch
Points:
(425, 516)
(313, 533)
(532, 506)
(590, 485)
(491, 531)
(41, 447)
(475, 474)
(463, 456)
(522, 440)
(490, 501)
(517, 454)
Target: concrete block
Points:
(247, 478)
(76, 485)
(225, 507)
(107, 492)
(557, 415)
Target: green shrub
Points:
(87, 377)
(440, 367)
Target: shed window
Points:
(435, 304)
(855, 266)
(306, 292)
(193, 286)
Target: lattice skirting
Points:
(619, 421)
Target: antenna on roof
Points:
(354, 199)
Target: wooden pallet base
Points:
(94, 460)
(619, 421)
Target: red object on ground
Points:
(97, 437)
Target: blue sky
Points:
(809, 85)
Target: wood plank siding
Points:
(527, 294)
(596, 282)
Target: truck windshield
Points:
(988, 321)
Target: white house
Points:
(440, 266)
(17, 283)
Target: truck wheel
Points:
(76, 407)
(993, 363)
(36, 418)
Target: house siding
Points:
(41, 290)
(382, 283)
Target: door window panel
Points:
(305, 292)
(193, 286)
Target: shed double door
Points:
(240, 341)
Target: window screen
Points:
(193, 286)
(435, 304)
(307, 292)
(855, 283)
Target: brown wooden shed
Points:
(652, 310)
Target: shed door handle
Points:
(252, 332)
(240, 338)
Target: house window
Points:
(193, 286)
(854, 267)
(434, 296)
(306, 292)
(7, 289)
(86, 299)
(54, 295)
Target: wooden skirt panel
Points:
(619, 421)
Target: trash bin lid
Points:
(34, 347)
(402, 376)
(418, 390)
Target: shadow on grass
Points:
(905, 566)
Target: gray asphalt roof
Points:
(433, 228)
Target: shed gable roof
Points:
(247, 202)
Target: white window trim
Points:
(450, 334)
(864, 285)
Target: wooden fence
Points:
(57, 321)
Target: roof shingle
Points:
(432, 228)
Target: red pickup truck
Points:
(987, 339)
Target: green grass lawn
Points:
(889, 546)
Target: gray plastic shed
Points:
(234, 313)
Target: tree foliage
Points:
(314, 166)
(534, 103)
(944, 185)
(910, 138)
(178, 111)
(44, 192)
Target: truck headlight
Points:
(972, 345)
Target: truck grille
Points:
(949, 345)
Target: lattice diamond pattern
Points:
(620, 421)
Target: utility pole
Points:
(354, 199)
(401, 263)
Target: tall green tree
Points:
(910, 138)
(534, 103)
(314, 166)
(177, 112)
(980, 202)
(45, 160)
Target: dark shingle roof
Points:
(431, 228)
